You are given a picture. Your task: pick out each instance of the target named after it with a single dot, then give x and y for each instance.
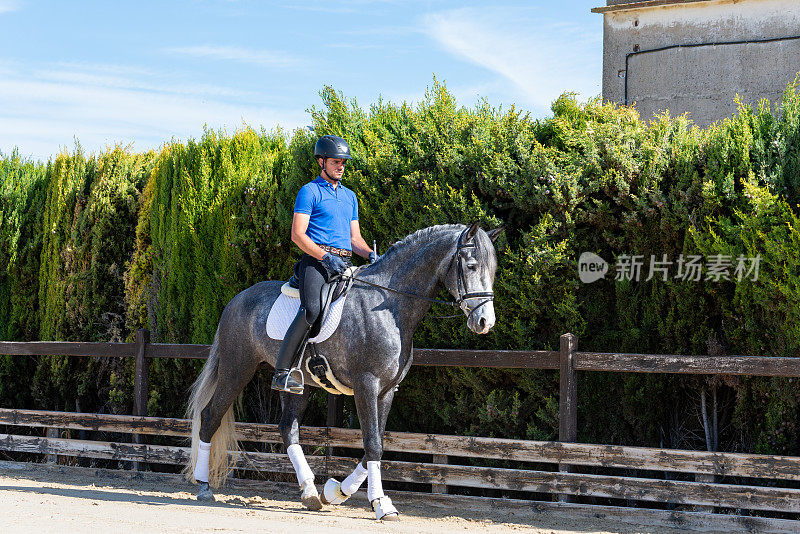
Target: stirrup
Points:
(281, 383)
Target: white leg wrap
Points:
(332, 492)
(201, 465)
(384, 509)
(351, 484)
(300, 464)
(374, 486)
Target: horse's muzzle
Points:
(482, 319)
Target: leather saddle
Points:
(332, 291)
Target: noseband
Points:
(461, 280)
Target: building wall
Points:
(704, 80)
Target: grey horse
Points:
(370, 352)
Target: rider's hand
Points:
(373, 257)
(334, 264)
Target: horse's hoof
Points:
(309, 495)
(384, 509)
(332, 492)
(312, 502)
(204, 492)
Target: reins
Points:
(412, 295)
(488, 296)
(406, 293)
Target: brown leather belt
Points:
(338, 251)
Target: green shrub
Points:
(97, 247)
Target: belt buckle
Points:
(335, 250)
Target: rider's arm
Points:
(299, 237)
(357, 242)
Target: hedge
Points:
(97, 246)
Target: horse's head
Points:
(470, 276)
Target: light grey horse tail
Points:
(224, 438)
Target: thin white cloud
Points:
(48, 108)
(342, 6)
(7, 6)
(541, 58)
(264, 58)
(104, 68)
(381, 31)
(125, 76)
(110, 81)
(355, 46)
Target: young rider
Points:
(325, 227)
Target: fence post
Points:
(51, 433)
(439, 459)
(334, 419)
(700, 477)
(140, 383)
(335, 405)
(568, 398)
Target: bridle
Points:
(461, 281)
(461, 285)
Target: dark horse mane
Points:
(483, 243)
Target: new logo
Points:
(591, 267)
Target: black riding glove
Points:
(374, 256)
(334, 264)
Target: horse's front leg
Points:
(293, 408)
(372, 413)
(336, 492)
(384, 509)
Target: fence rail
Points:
(505, 359)
(610, 456)
(748, 496)
(633, 474)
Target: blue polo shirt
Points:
(331, 210)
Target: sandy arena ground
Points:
(39, 499)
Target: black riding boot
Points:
(294, 343)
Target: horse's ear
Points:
(473, 229)
(494, 234)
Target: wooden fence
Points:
(640, 480)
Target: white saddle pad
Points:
(285, 309)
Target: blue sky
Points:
(146, 72)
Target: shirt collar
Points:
(319, 180)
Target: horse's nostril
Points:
(482, 323)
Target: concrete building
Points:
(695, 56)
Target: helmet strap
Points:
(331, 178)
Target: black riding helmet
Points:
(332, 146)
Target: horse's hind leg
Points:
(293, 408)
(214, 424)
